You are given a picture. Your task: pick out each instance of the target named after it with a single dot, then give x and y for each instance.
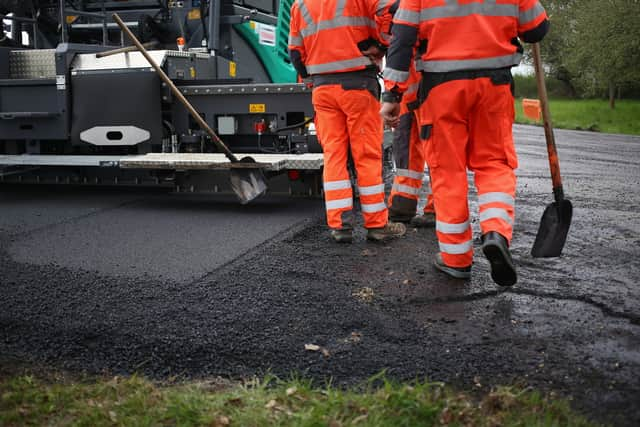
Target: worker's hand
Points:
(374, 53)
(390, 112)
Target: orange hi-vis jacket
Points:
(459, 35)
(327, 33)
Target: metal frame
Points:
(64, 12)
(28, 20)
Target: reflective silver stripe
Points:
(447, 228)
(530, 15)
(305, 12)
(339, 204)
(410, 174)
(496, 197)
(337, 185)
(405, 189)
(340, 8)
(495, 213)
(460, 10)
(371, 189)
(470, 64)
(373, 207)
(329, 67)
(412, 88)
(295, 40)
(385, 37)
(382, 7)
(395, 75)
(456, 249)
(407, 16)
(341, 21)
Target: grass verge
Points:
(134, 401)
(590, 114)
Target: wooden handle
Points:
(554, 163)
(175, 90)
(125, 49)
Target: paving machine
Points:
(79, 106)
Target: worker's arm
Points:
(381, 11)
(399, 56)
(297, 53)
(533, 23)
(384, 11)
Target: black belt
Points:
(499, 76)
(361, 79)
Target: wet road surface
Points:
(148, 282)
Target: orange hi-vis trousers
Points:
(471, 129)
(349, 121)
(408, 154)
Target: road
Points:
(143, 281)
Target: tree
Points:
(604, 47)
(554, 46)
(594, 45)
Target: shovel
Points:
(247, 179)
(556, 218)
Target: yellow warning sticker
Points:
(232, 69)
(257, 108)
(192, 72)
(194, 14)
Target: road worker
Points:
(335, 44)
(408, 154)
(467, 113)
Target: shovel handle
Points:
(175, 90)
(125, 49)
(554, 163)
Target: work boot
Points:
(389, 231)
(496, 249)
(400, 216)
(342, 235)
(463, 273)
(426, 220)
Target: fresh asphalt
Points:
(97, 280)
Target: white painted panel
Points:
(100, 135)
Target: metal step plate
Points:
(182, 161)
(32, 64)
(185, 161)
(58, 160)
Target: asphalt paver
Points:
(571, 325)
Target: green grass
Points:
(25, 400)
(590, 114)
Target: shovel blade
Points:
(553, 230)
(248, 183)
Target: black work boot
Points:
(496, 249)
(402, 209)
(426, 220)
(388, 232)
(342, 235)
(463, 273)
(396, 215)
